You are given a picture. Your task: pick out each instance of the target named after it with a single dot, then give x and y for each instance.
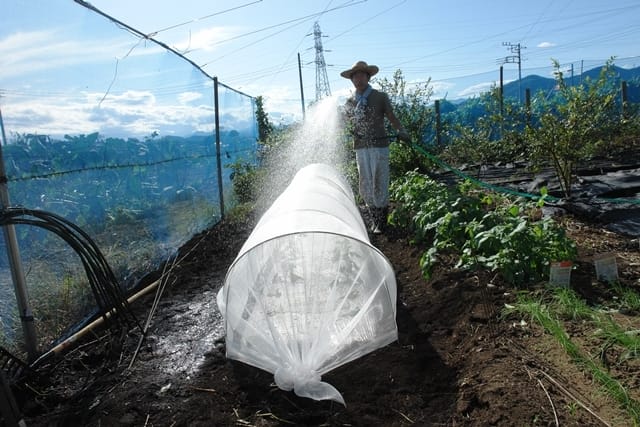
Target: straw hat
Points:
(360, 66)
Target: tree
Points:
(410, 106)
(265, 127)
(569, 130)
(486, 129)
(413, 110)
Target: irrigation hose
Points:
(68, 342)
(110, 299)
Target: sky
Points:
(266, 47)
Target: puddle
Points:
(195, 327)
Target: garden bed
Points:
(458, 360)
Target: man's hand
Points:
(403, 135)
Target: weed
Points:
(540, 312)
(629, 299)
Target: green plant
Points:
(542, 313)
(570, 129)
(265, 127)
(629, 299)
(570, 306)
(58, 302)
(412, 194)
(487, 130)
(572, 407)
(484, 229)
(412, 108)
(240, 213)
(246, 181)
(521, 250)
(614, 334)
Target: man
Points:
(365, 114)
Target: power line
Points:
(368, 19)
(538, 20)
(286, 61)
(296, 21)
(154, 33)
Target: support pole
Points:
(501, 95)
(216, 106)
(624, 98)
(15, 263)
(527, 103)
(438, 124)
(501, 92)
(301, 87)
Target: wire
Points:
(368, 19)
(544, 12)
(154, 33)
(254, 42)
(294, 21)
(115, 166)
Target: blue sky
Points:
(423, 38)
(253, 46)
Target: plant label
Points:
(606, 267)
(560, 273)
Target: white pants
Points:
(373, 172)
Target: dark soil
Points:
(458, 361)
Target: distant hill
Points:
(536, 83)
(467, 111)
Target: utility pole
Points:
(572, 74)
(301, 86)
(322, 81)
(516, 58)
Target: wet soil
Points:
(458, 360)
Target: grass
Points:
(629, 299)
(570, 306)
(613, 334)
(550, 308)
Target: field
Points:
(459, 360)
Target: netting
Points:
(308, 292)
(117, 134)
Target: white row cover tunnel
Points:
(308, 292)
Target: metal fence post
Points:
(15, 263)
(216, 104)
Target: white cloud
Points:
(55, 81)
(187, 97)
(130, 114)
(546, 45)
(441, 89)
(135, 98)
(476, 89)
(281, 103)
(46, 52)
(208, 39)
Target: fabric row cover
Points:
(308, 292)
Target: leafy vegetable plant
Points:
(484, 230)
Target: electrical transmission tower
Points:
(322, 81)
(516, 58)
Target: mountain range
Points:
(537, 84)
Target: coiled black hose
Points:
(110, 298)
